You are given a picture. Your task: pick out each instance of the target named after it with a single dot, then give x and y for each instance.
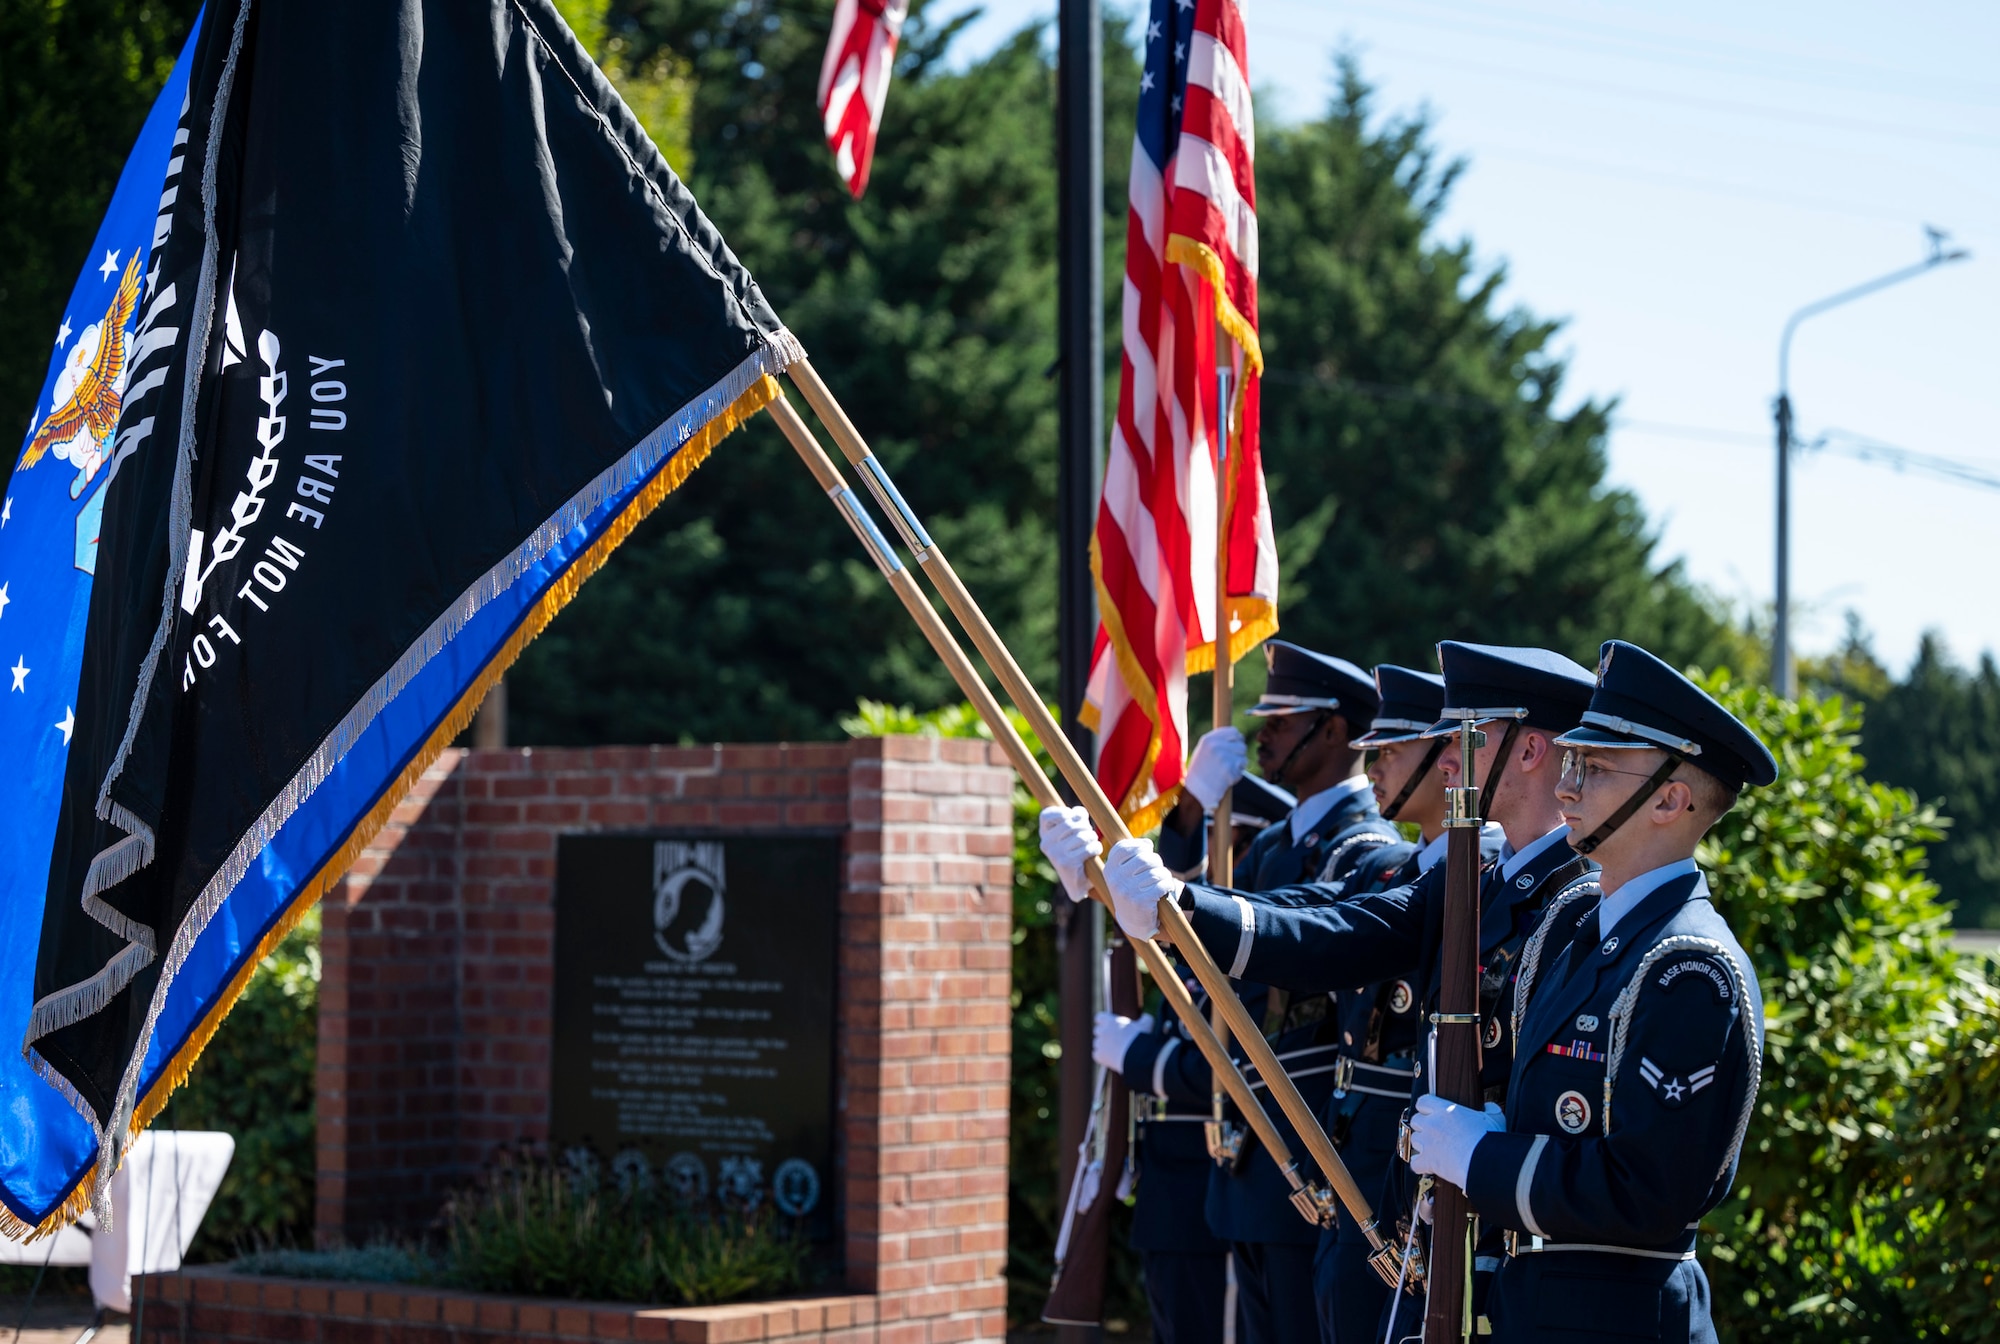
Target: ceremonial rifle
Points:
(1455, 1044)
(1083, 1245)
(1313, 1202)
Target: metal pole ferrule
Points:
(901, 515)
(870, 536)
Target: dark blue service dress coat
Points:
(1378, 1034)
(1252, 1202)
(1303, 940)
(1627, 1103)
(1170, 1084)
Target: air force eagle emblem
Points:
(89, 392)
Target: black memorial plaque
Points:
(694, 1010)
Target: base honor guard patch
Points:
(1674, 1090)
(1401, 997)
(1702, 968)
(1573, 1112)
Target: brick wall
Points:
(436, 997)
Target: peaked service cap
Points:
(1411, 703)
(1258, 802)
(1643, 702)
(1492, 681)
(1300, 680)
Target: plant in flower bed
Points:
(537, 1227)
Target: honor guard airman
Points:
(1639, 1024)
(1380, 1024)
(1185, 1265)
(1308, 939)
(1313, 708)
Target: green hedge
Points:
(255, 1080)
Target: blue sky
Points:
(1675, 180)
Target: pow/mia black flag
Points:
(429, 325)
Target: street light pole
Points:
(1784, 671)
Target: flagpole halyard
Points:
(1173, 921)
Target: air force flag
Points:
(50, 514)
(436, 326)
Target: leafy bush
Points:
(255, 1080)
(1946, 1143)
(1822, 877)
(547, 1229)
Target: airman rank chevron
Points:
(1674, 1090)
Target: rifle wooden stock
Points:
(1455, 1034)
(1076, 1297)
(1045, 795)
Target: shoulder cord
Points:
(1370, 838)
(1531, 954)
(1753, 1045)
(1416, 777)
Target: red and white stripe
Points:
(854, 82)
(1191, 265)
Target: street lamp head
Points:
(1938, 255)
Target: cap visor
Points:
(1264, 709)
(1385, 738)
(1446, 727)
(1603, 737)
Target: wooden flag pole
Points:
(1173, 922)
(1030, 771)
(1222, 709)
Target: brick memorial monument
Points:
(790, 956)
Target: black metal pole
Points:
(1783, 680)
(1080, 349)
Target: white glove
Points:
(1442, 1137)
(1113, 1036)
(1219, 760)
(1068, 839)
(1138, 882)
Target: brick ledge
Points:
(211, 1303)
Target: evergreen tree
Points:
(743, 609)
(1937, 733)
(1423, 483)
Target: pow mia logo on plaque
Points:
(1573, 1112)
(688, 909)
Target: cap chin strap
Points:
(1631, 805)
(1395, 807)
(1277, 775)
(1489, 788)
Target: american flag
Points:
(1190, 267)
(854, 82)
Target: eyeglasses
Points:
(1578, 770)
